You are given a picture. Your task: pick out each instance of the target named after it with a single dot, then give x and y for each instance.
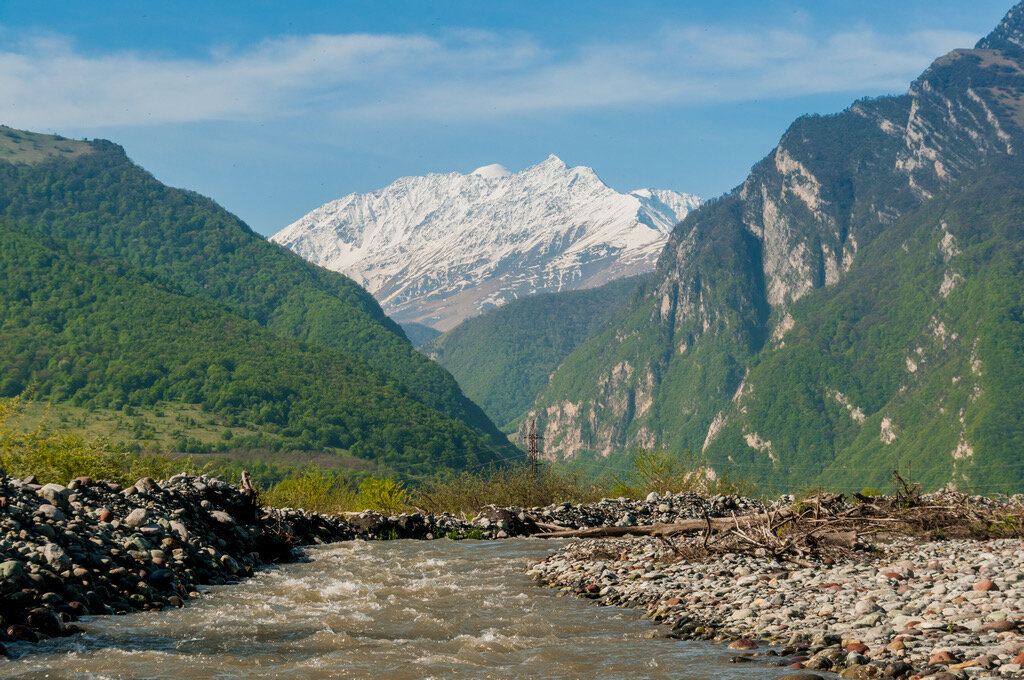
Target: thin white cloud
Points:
(48, 84)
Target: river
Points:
(391, 610)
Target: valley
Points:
(512, 423)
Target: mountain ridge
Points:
(443, 247)
(108, 205)
(678, 367)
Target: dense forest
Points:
(104, 202)
(926, 334)
(88, 330)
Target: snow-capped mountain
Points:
(445, 247)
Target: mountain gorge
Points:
(503, 357)
(851, 308)
(442, 248)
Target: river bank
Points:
(93, 547)
(903, 608)
(899, 607)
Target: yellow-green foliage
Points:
(384, 495)
(512, 485)
(315, 489)
(664, 472)
(61, 455)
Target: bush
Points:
(315, 489)
(512, 485)
(383, 495)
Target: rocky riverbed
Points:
(950, 609)
(92, 547)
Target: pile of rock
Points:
(655, 509)
(949, 609)
(493, 522)
(93, 547)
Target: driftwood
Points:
(825, 526)
(664, 530)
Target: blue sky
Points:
(274, 108)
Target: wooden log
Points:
(666, 530)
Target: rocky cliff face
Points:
(443, 248)
(729, 287)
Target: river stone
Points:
(222, 517)
(136, 517)
(44, 621)
(56, 557)
(11, 569)
(22, 633)
(55, 494)
(229, 564)
(51, 512)
(179, 529)
(162, 579)
(146, 485)
(45, 530)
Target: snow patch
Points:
(492, 171)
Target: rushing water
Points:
(387, 610)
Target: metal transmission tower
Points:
(532, 452)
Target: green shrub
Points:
(512, 485)
(383, 495)
(663, 472)
(314, 489)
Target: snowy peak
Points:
(492, 171)
(444, 247)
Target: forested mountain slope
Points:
(89, 330)
(97, 198)
(838, 212)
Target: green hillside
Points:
(927, 334)
(110, 206)
(503, 357)
(90, 331)
(853, 307)
(419, 334)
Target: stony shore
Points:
(950, 609)
(95, 548)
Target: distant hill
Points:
(96, 200)
(503, 357)
(854, 307)
(446, 247)
(419, 334)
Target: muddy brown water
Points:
(382, 610)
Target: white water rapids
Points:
(385, 610)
